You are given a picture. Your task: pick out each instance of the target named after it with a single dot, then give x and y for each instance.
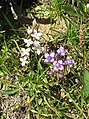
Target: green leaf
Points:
(9, 84)
(0, 84)
(40, 101)
(9, 92)
(45, 13)
(86, 83)
(38, 8)
(30, 99)
(40, 68)
(69, 10)
(1, 73)
(81, 7)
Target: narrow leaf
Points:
(86, 83)
(9, 92)
(69, 10)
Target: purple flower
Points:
(61, 51)
(69, 61)
(57, 55)
(50, 73)
(60, 75)
(58, 65)
(49, 57)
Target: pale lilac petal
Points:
(46, 60)
(52, 54)
(58, 51)
(61, 51)
(55, 68)
(60, 61)
(61, 67)
(55, 62)
(57, 55)
(60, 75)
(52, 60)
(69, 61)
(46, 55)
(50, 73)
(67, 58)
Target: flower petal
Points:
(46, 55)
(52, 54)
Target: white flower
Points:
(87, 5)
(25, 51)
(37, 47)
(40, 50)
(36, 43)
(36, 35)
(23, 61)
(28, 41)
(29, 31)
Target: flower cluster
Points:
(34, 40)
(32, 43)
(24, 56)
(58, 60)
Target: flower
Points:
(87, 6)
(23, 61)
(37, 47)
(69, 61)
(36, 43)
(61, 51)
(76, 81)
(29, 31)
(60, 75)
(49, 57)
(25, 51)
(28, 41)
(50, 73)
(36, 35)
(58, 65)
(57, 55)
